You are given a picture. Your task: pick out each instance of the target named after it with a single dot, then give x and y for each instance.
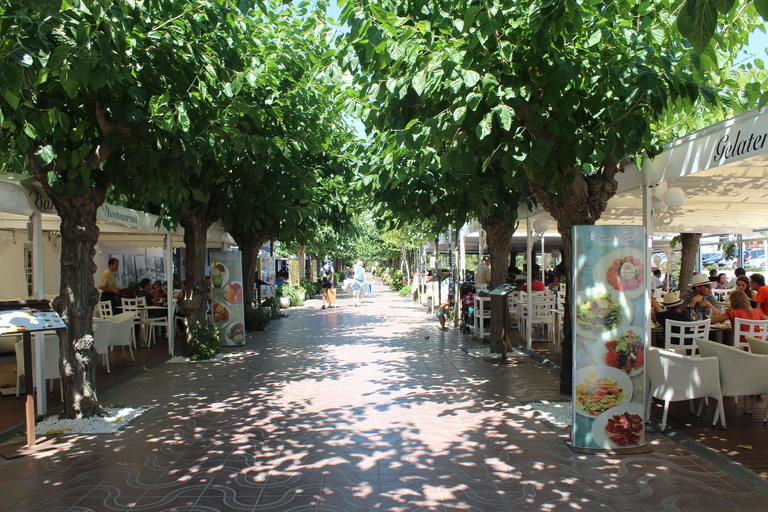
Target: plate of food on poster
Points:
(233, 293)
(599, 388)
(623, 270)
(599, 311)
(221, 314)
(619, 427)
(219, 274)
(236, 332)
(622, 349)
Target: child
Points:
(442, 312)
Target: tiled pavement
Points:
(354, 409)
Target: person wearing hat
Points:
(699, 298)
(674, 310)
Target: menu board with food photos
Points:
(227, 296)
(293, 273)
(267, 274)
(609, 336)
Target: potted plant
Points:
(204, 343)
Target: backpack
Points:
(326, 276)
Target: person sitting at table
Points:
(656, 282)
(674, 310)
(736, 274)
(536, 286)
(158, 292)
(699, 298)
(555, 284)
(740, 308)
(722, 282)
(757, 283)
(149, 299)
(713, 276)
(180, 295)
(742, 283)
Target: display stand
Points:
(259, 283)
(438, 278)
(482, 316)
(502, 291)
(25, 317)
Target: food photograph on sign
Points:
(610, 315)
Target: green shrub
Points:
(273, 304)
(257, 320)
(416, 294)
(312, 289)
(396, 280)
(285, 290)
(204, 343)
(405, 291)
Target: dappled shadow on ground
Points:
(353, 409)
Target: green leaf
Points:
(595, 38)
(762, 7)
(540, 150)
(470, 15)
(45, 154)
(184, 121)
(30, 131)
(419, 83)
(485, 126)
(696, 21)
(459, 114)
(470, 77)
(505, 116)
(197, 195)
(59, 55)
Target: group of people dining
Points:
(748, 300)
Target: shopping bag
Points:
(368, 289)
(331, 295)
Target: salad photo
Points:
(601, 389)
(599, 314)
(624, 352)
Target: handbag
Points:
(331, 294)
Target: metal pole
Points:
(36, 219)
(169, 286)
(529, 284)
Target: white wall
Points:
(13, 283)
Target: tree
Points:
(561, 92)
(69, 115)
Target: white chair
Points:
(101, 330)
(115, 332)
(741, 373)
(684, 334)
(51, 370)
(541, 313)
(756, 345)
(153, 323)
(136, 307)
(104, 309)
(754, 328)
(674, 377)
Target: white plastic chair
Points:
(743, 327)
(104, 309)
(115, 332)
(135, 306)
(152, 324)
(541, 312)
(687, 335)
(756, 345)
(674, 377)
(741, 373)
(51, 370)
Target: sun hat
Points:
(672, 299)
(700, 280)
(326, 260)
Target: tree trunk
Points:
(249, 243)
(581, 204)
(407, 272)
(78, 359)
(499, 239)
(301, 250)
(195, 305)
(687, 260)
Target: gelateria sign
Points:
(741, 145)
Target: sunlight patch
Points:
(186, 360)
(485, 352)
(559, 414)
(116, 418)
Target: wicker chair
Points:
(756, 345)
(674, 377)
(741, 373)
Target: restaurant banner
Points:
(293, 273)
(609, 312)
(267, 274)
(227, 296)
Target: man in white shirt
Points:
(483, 272)
(656, 282)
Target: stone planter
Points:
(303, 295)
(285, 302)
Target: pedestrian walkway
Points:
(354, 409)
